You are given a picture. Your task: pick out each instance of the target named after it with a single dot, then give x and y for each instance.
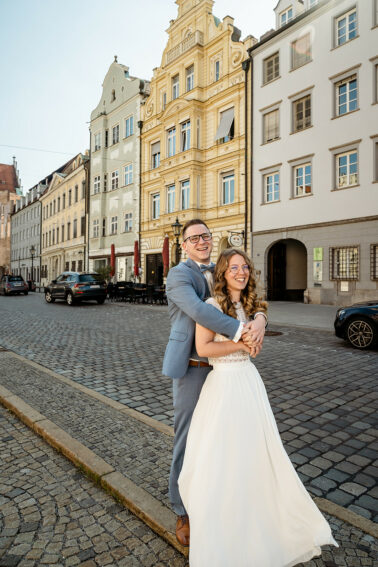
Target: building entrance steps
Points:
(129, 454)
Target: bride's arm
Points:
(206, 346)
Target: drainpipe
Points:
(87, 166)
(140, 126)
(245, 66)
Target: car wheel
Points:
(101, 300)
(361, 333)
(69, 298)
(49, 298)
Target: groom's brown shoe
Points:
(183, 530)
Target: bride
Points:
(247, 507)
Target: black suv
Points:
(75, 287)
(13, 285)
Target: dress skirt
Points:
(246, 504)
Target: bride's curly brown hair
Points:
(248, 296)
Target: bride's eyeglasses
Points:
(235, 269)
(206, 236)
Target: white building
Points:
(315, 152)
(115, 171)
(26, 235)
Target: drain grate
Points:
(273, 333)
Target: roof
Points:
(8, 178)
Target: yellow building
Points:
(193, 141)
(64, 220)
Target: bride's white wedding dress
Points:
(247, 506)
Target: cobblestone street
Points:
(322, 391)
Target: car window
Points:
(72, 278)
(61, 278)
(90, 278)
(15, 279)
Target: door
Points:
(154, 269)
(58, 289)
(277, 272)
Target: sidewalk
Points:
(129, 454)
(302, 315)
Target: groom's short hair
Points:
(192, 222)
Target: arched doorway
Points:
(223, 244)
(287, 271)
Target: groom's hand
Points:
(253, 333)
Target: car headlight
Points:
(341, 312)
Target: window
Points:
(83, 189)
(225, 131)
(95, 228)
(113, 225)
(346, 169)
(156, 206)
(106, 138)
(58, 204)
(80, 266)
(344, 263)
(74, 229)
(217, 70)
(73, 268)
(171, 142)
(68, 231)
(171, 198)
(190, 78)
(128, 174)
(375, 158)
(70, 197)
(103, 227)
(115, 134)
(286, 16)
(346, 95)
(54, 207)
(228, 189)
(128, 222)
(97, 141)
(175, 87)
(185, 136)
(155, 155)
(96, 184)
(271, 68)
(302, 180)
(62, 232)
(301, 51)
(51, 209)
(163, 101)
(105, 182)
(64, 201)
(346, 27)
(76, 193)
(115, 179)
(82, 226)
(129, 126)
(57, 234)
(53, 236)
(185, 193)
(271, 126)
(271, 187)
(374, 261)
(302, 113)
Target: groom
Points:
(187, 288)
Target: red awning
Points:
(136, 258)
(166, 255)
(112, 260)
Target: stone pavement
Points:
(138, 451)
(51, 514)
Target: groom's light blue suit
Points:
(186, 290)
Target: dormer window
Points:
(113, 97)
(286, 16)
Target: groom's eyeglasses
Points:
(206, 236)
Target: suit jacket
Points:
(186, 289)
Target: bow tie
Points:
(207, 267)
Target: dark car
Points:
(74, 287)
(358, 324)
(12, 285)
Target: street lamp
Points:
(176, 227)
(32, 252)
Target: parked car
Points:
(13, 285)
(358, 324)
(74, 287)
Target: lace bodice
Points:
(239, 356)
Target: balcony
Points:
(190, 41)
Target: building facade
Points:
(193, 140)
(115, 171)
(26, 235)
(64, 220)
(10, 193)
(314, 152)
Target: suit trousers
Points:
(186, 391)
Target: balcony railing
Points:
(190, 41)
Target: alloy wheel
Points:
(360, 333)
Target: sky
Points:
(54, 55)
